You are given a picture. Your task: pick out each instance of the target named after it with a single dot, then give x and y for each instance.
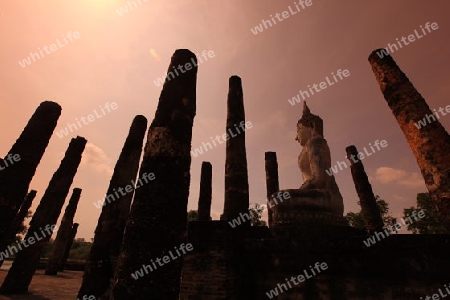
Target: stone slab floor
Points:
(64, 286)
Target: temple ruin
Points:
(408, 106)
(44, 219)
(27, 153)
(70, 240)
(111, 223)
(63, 236)
(205, 195)
(144, 248)
(272, 183)
(367, 200)
(158, 216)
(236, 174)
(19, 219)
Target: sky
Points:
(119, 49)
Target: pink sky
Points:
(117, 58)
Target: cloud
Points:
(277, 121)
(398, 198)
(96, 159)
(386, 175)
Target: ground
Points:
(64, 286)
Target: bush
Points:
(80, 249)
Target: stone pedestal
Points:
(293, 207)
(213, 270)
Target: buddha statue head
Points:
(308, 126)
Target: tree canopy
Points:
(357, 219)
(430, 223)
(192, 215)
(256, 214)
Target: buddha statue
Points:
(318, 196)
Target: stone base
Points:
(304, 208)
(299, 217)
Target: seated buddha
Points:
(319, 191)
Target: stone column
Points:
(25, 156)
(236, 175)
(63, 235)
(428, 143)
(43, 221)
(367, 200)
(204, 201)
(158, 217)
(18, 220)
(111, 223)
(73, 234)
(272, 184)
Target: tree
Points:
(430, 223)
(385, 214)
(255, 214)
(80, 249)
(23, 229)
(192, 215)
(47, 248)
(357, 219)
